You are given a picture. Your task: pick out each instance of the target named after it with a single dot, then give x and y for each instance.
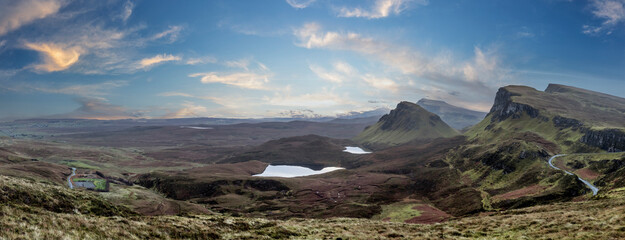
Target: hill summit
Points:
(405, 123)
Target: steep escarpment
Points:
(574, 119)
(611, 140)
(504, 107)
(507, 154)
(407, 122)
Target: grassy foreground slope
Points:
(596, 219)
(407, 122)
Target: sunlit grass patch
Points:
(399, 212)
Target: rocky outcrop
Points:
(611, 140)
(504, 107)
(562, 123)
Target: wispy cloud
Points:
(15, 14)
(127, 11)
(256, 78)
(172, 33)
(85, 90)
(188, 110)
(525, 32)
(94, 90)
(308, 100)
(241, 63)
(201, 60)
(147, 62)
(381, 83)
(66, 43)
(380, 9)
(242, 79)
(481, 75)
(55, 57)
(612, 12)
(299, 4)
(341, 72)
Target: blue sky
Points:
(171, 59)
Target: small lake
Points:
(199, 128)
(355, 150)
(288, 171)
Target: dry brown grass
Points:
(603, 218)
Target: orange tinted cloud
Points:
(55, 57)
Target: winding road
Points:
(69, 179)
(592, 187)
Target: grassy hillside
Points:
(507, 151)
(596, 219)
(311, 151)
(407, 122)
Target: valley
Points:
(406, 174)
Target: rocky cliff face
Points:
(562, 122)
(504, 107)
(611, 140)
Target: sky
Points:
(119, 59)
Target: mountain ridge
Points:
(407, 122)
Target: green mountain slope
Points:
(405, 123)
(507, 151)
(575, 120)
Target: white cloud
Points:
(312, 36)
(327, 75)
(172, 33)
(188, 110)
(241, 63)
(299, 4)
(612, 12)
(241, 79)
(480, 75)
(55, 57)
(344, 68)
(249, 78)
(201, 60)
(15, 14)
(147, 62)
(381, 83)
(381, 9)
